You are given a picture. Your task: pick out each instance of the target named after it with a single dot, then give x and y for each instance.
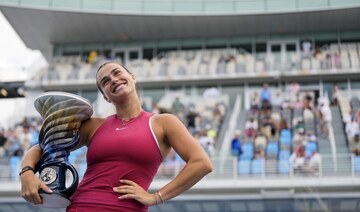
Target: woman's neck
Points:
(129, 111)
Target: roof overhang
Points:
(39, 29)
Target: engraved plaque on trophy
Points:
(62, 115)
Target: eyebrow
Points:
(106, 77)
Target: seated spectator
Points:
(283, 125)
(335, 94)
(251, 127)
(293, 90)
(298, 103)
(357, 116)
(308, 102)
(268, 126)
(255, 103)
(297, 159)
(354, 145)
(207, 143)
(191, 117)
(347, 117)
(260, 142)
(178, 107)
(218, 114)
(351, 129)
(298, 123)
(236, 144)
(312, 165)
(277, 100)
(299, 139)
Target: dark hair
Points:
(104, 64)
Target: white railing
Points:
(228, 169)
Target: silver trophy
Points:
(62, 115)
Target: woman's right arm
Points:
(30, 183)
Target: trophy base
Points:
(54, 200)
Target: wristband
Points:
(25, 169)
(160, 196)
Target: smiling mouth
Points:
(116, 87)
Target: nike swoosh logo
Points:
(118, 129)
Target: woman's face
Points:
(115, 81)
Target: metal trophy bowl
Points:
(62, 115)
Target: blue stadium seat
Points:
(244, 167)
(284, 154)
(285, 137)
(272, 149)
(283, 166)
(285, 133)
(248, 151)
(357, 163)
(257, 166)
(14, 163)
(310, 147)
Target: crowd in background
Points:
(273, 112)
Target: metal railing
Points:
(229, 169)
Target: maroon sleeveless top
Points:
(118, 151)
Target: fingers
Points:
(45, 188)
(128, 182)
(32, 197)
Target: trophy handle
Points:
(71, 189)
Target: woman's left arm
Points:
(197, 161)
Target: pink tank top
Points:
(118, 152)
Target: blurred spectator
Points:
(2, 142)
(219, 112)
(354, 145)
(335, 94)
(191, 119)
(351, 129)
(277, 100)
(207, 143)
(317, 53)
(25, 139)
(260, 142)
(308, 102)
(178, 108)
(298, 103)
(347, 117)
(212, 93)
(211, 132)
(297, 159)
(357, 116)
(236, 144)
(265, 96)
(299, 139)
(251, 127)
(325, 119)
(306, 47)
(283, 125)
(293, 89)
(312, 165)
(298, 123)
(255, 102)
(92, 56)
(268, 126)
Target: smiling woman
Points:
(125, 151)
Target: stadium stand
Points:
(207, 62)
